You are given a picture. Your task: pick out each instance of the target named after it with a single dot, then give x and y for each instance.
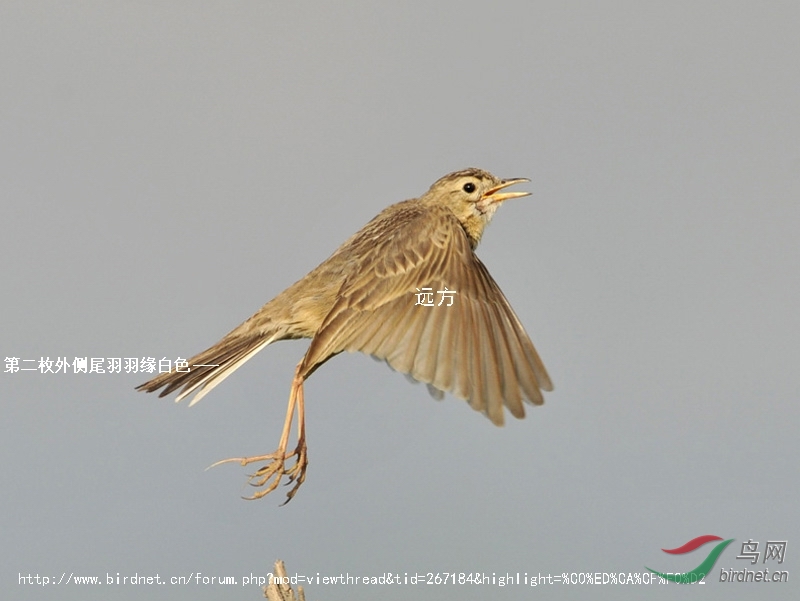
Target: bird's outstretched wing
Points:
(476, 348)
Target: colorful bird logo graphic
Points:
(696, 575)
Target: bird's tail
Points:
(209, 368)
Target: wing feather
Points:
(476, 349)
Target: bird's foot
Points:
(297, 473)
(270, 475)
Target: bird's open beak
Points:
(492, 196)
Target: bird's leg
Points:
(270, 475)
(297, 473)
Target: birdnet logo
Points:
(696, 575)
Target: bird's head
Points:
(473, 196)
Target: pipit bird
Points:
(365, 297)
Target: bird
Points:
(366, 297)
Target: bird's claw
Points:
(296, 473)
(271, 474)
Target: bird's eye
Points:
(469, 187)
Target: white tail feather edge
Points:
(208, 383)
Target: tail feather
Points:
(209, 368)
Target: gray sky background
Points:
(166, 169)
